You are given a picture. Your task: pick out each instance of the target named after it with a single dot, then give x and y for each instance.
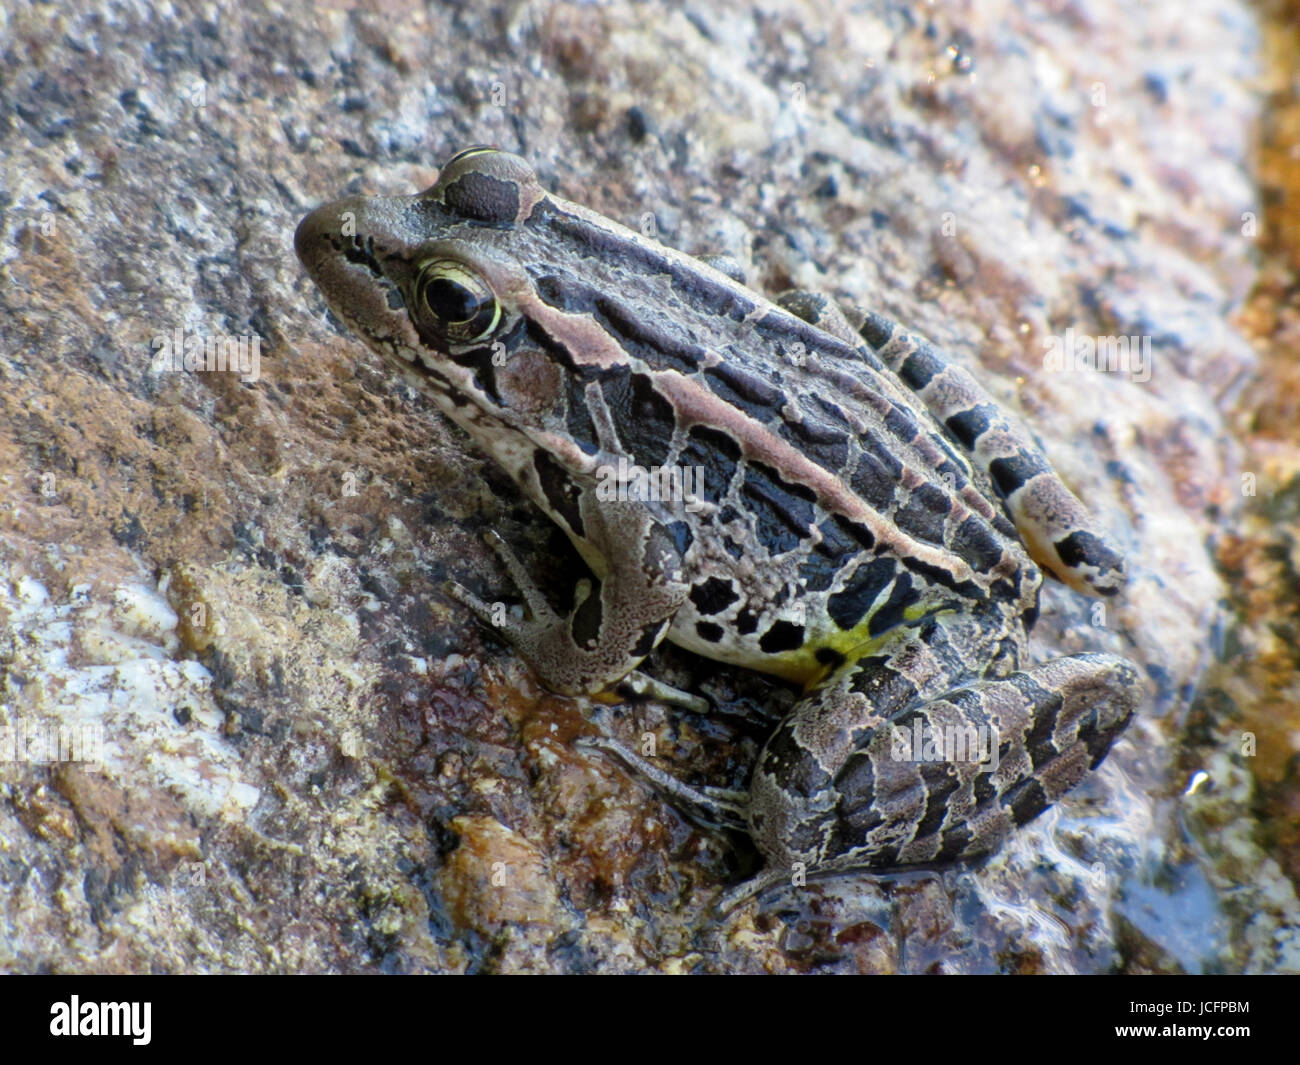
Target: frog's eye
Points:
(454, 302)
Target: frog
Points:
(791, 485)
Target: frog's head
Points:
(439, 283)
(509, 306)
(414, 275)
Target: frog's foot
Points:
(1061, 535)
(611, 628)
(941, 780)
(493, 616)
(613, 624)
(714, 807)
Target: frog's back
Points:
(831, 505)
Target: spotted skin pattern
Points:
(863, 519)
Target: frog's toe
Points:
(478, 607)
(714, 807)
(641, 687)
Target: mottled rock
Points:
(311, 759)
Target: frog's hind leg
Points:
(1058, 530)
(891, 763)
(859, 776)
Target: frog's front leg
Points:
(615, 622)
(864, 773)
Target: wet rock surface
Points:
(312, 760)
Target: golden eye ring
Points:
(454, 302)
